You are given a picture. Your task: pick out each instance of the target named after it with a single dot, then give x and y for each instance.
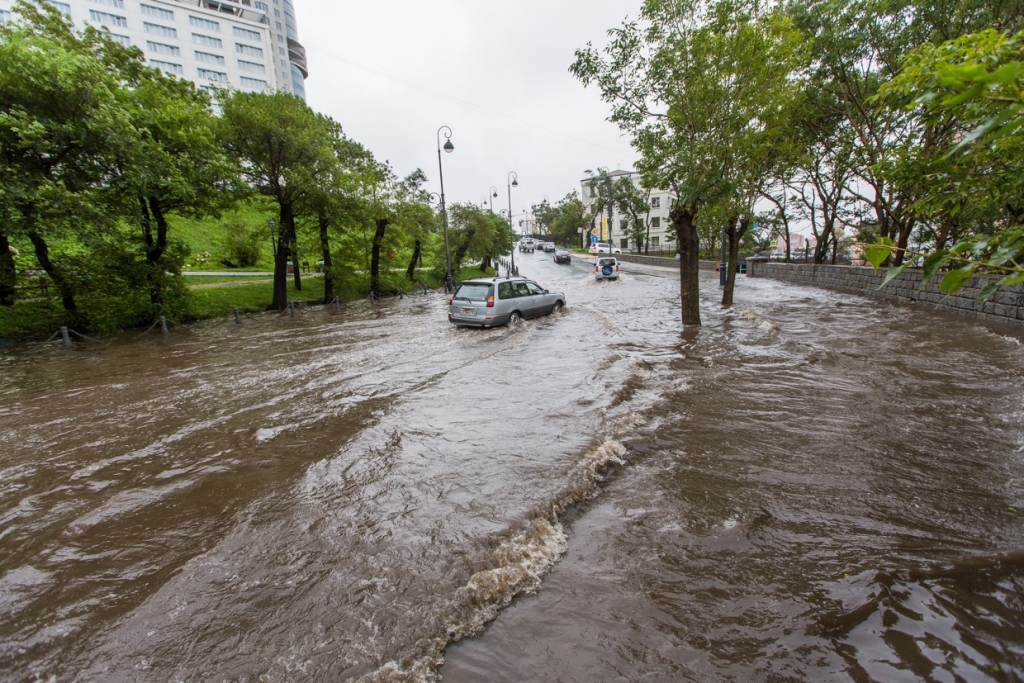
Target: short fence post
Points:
(337, 303)
(238, 318)
(291, 308)
(163, 324)
(65, 336)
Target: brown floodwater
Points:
(814, 486)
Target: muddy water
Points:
(813, 487)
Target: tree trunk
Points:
(410, 272)
(8, 274)
(827, 231)
(43, 256)
(378, 239)
(155, 248)
(903, 239)
(325, 247)
(284, 238)
(460, 251)
(296, 272)
(485, 263)
(684, 222)
(734, 234)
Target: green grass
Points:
(220, 301)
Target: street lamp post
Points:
(448, 148)
(494, 194)
(513, 181)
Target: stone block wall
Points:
(1005, 306)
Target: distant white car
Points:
(603, 248)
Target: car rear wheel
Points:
(514, 318)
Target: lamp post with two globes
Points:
(513, 181)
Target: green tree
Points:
(61, 128)
(691, 87)
(177, 165)
(282, 148)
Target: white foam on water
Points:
(520, 562)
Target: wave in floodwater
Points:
(343, 496)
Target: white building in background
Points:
(659, 201)
(249, 45)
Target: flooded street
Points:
(813, 487)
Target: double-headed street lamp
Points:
(449, 286)
(494, 194)
(513, 181)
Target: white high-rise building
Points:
(241, 44)
(661, 232)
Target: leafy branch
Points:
(997, 256)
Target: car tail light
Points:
(451, 301)
(597, 269)
(616, 269)
(490, 301)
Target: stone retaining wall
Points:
(1005, 306)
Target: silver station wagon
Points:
(488, 302)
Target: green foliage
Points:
(242, 242)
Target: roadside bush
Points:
(241, 243)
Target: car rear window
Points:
(606, 262)
(474, 291)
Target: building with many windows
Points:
(247, 45)
(662, 236)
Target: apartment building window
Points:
(118, 38)
(254, 36)
(212, 75)
(655, 241)
(624, 244)
(655, 202)
(280, 38)
(263, 6)
(277, 12)
(161, 48)
(249, 50)
(251, 66)
(119, 4)
(278, 25)
(207, 58)
(167, 67)
(65, 8)
(280, 50)
(655, 222)
(5, 15)
(106, 18)
(253, 83)
(158, 12)
(158, 30)
(207, 41)
(205, 24)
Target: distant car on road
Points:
(549, 247)
(606, 268)
(526, 245)
(603, 248)
(489, 302)
(562, 256)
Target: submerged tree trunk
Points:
(378, 239)
(734, 233)
(8, 274)
(284, 238)
(460, 251)
(410, 272)
(325, 247)
(63, 286)
(684, 222)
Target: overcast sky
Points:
(393, 71)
